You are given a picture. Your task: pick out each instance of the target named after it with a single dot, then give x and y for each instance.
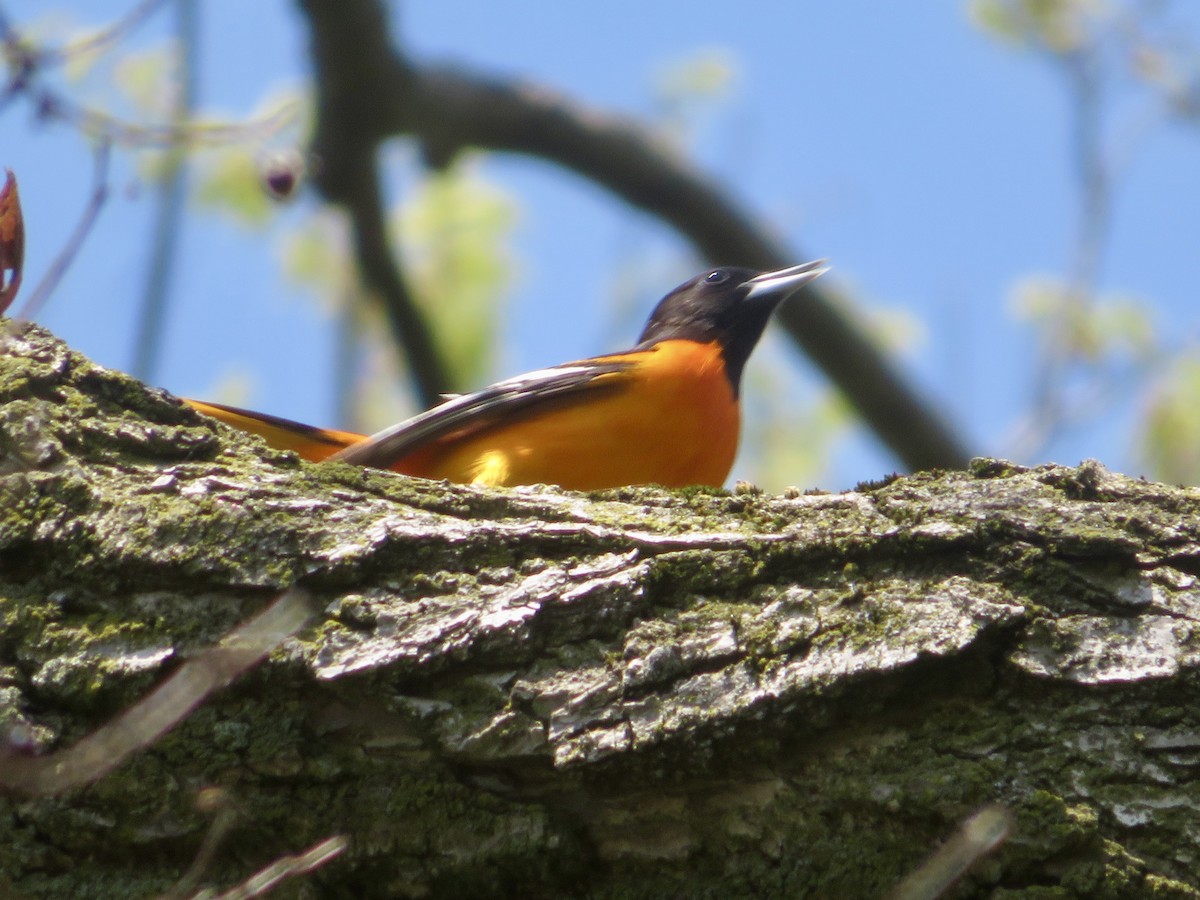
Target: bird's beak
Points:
(785, 282)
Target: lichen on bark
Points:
(634, 693)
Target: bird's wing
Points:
(469, 414)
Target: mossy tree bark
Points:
(539, 693)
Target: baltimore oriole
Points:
(665, 412)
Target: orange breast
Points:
(673, 421)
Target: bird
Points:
(666, 411)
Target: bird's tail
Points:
(311, 443)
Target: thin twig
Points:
(42, 57)
(33, 305)
(25, 63)
(978, 836)
(146, 721)
(192, 134)
(104, 38)
(266, 879)
(1050, 410)
(223, 820)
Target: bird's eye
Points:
(716, 277)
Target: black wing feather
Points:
(483, 409)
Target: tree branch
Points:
(347, 174)
(540, 693)
(362, 196)
(363, 80)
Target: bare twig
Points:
(1049, 412)
(103, 750)
(978, 836)
(140, 134)
(26, 63)
(313, 858)
(104, 38)
(66, 256)
(217, 801)
(368, 91)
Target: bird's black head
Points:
(729, 305)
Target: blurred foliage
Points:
(1060, 26)
(456, 230)
(707, 75)
(689, 92)
(1097, 347)
(149, 80)
(893, 327)
(1127, 44)
(1170, 439)
(1109, 328)
(316, 256)
(790, 434)
(234, 387)
(232, 179)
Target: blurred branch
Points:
(168, 212)
(107, 747)
(347, 174)
(368, 91)
(362, 196)
(1083, 71)
(266, 880)
(219, 803)
(143, 134)
(982, 833)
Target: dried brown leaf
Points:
(12, 242)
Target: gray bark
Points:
(540, 693)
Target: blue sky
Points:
(928, 162)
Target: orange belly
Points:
(676, 424)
